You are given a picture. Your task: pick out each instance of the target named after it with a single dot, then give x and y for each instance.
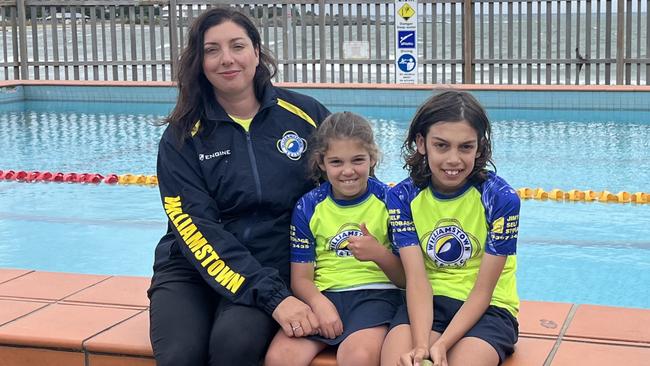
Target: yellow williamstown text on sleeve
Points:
(203, 251)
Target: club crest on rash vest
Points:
(448, 245)
(339, 242)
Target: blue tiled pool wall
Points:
(116, 94)
(504, 101)
(492, 99)
(11, 94)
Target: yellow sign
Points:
(406, 11)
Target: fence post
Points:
(173, 37)
(620, 41)
(286, 28)
(468, 41)
(323, 40)
(22, 35)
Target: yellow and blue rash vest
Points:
(455, 231)
(320, 228)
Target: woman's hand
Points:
(438, 354)
(295, 317)
(414, 357)
(365, 247)
(330, 322)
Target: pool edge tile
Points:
(610, 323)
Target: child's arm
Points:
(302, 285)
(419, 300)
(392, 267)
(472, 310)
(367, 248)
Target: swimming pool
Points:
(572, 252)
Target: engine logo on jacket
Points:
(449, 245)
(292, 145)
(215, 154)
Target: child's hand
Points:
(414, 358)
(328, 318)
(365, 247)
(438, 354)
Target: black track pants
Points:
(192, 326)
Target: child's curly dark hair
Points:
(448, 106)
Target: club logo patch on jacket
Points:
(292, 145)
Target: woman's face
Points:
(229, 59)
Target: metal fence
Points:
(459, 41)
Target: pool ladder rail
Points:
(573, 195)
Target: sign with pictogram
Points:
(406, 62)
(406, 11)
(406, 41)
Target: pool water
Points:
(570, 252)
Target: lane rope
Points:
(525, 193)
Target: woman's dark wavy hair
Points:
(340, 125)
(448, 106)
(193, 86)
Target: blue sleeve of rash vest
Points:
(303, 244)
(402, 227)
(502, 214)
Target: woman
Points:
(230, 167)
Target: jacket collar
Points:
(213, 111)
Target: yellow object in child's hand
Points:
(426, 363)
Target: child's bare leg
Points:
(362, 348)
(287, 351)
(472, 351)
(398, 342)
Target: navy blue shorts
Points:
(362, 309)
(497, 326)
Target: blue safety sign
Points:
(406, 39)
(406, 62)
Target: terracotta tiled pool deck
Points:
(64, 319)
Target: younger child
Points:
(341, 258)
(455, 224)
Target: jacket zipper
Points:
(256, 178)
(256, 174)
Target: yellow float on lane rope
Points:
(576, 195)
